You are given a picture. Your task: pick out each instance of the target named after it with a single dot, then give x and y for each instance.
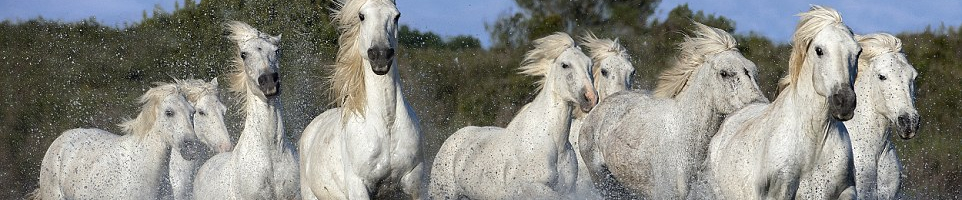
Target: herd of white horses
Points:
(705, 132)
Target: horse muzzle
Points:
(269, 84)
(907, 126)
(589, 101)
(381, 59)
(841, 103)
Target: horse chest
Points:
(370, 147)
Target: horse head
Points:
(208, 113)
(829, 47)
(711, 62)
(888, 81)
(167, 113)
(612, 70)
(566, 70)
(377, 36)
(257, 59)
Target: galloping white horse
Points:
(263, 163)
(796, 147)
(885, 92)
(371, 144)
(612, 72)
(531, 156)
(96, 164)
(210, 129)
(654, 145)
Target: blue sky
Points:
(774, 19)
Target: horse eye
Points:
(882, 77)
(726, 74)
(244, 55)
(259, 49)
(202, 113)
(361, 15)
(169, 113)
(604, 72)
(818, 51)
(564, 66)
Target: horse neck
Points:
(801, 100)
(545, 117)
(263, 124)
(697, 108)
(152, 149)
(381, 93)
(868, 124)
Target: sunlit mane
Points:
(876, 44)
(240, 82)
(600, 49)
(148, 111)
(537, 62)
(347, 80)
(194, 89)
(811, 23)
(693, 52)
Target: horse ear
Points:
(615, 45)
(214, 82)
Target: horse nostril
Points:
(371, 53)
(261, 79)
(380, 53)
(904, 120)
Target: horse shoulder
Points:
(213, 179)
(407, 133)
(320, 131)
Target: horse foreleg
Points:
(848, 193)
(411, 182)
(306, 192)
(356, 190)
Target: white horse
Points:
(612, 72)
(210, 129)
(531, 157)
(653, 145)
(371, 144)
(885, 92)
(263, 164)
(96, 164)
(796, 147)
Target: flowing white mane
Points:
(600, 49)
(347, 79)
(811, 23)
(876, 44)
(537, 62)
(194, 89)
(148, 112)
(693, 52)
